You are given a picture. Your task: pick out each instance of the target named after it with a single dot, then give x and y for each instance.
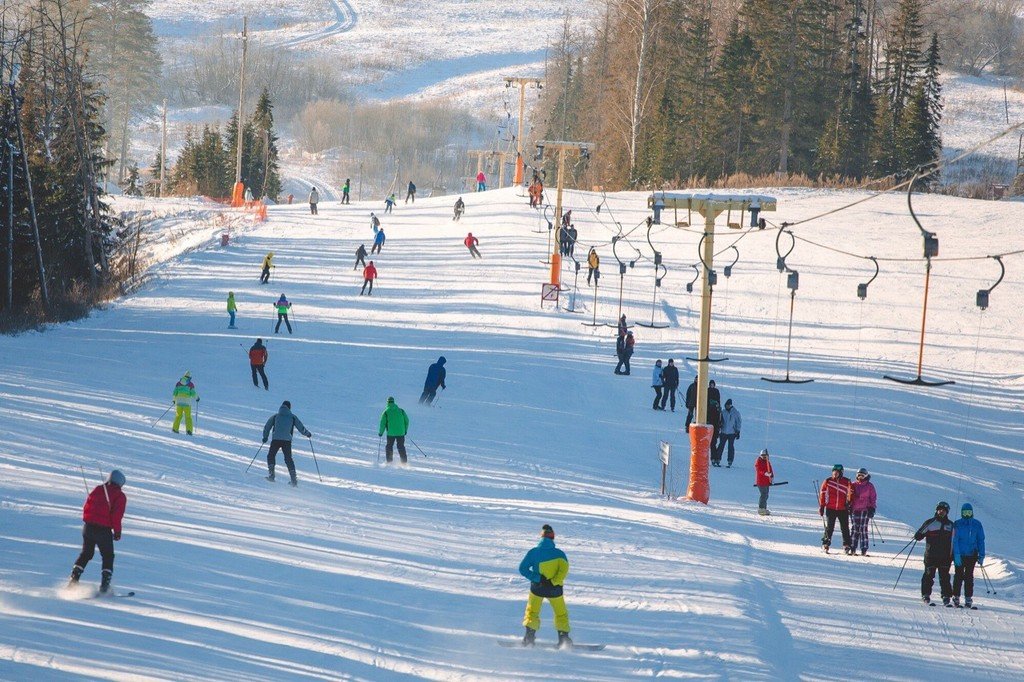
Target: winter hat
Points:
(862, 470)
(259, 340)
(728, 403)
(711, 383)
(116, 477)
(391, 400)
(547, 531)
(658, 363)
(287, 404)
(967, 510)
(187, 374)
(231, 294)
(943, 506)
(764, 452)
(670, 361)
(837, 467)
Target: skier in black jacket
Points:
(691, 403)
(669, 382)
(937, 532)
(360, 256)
(715, 420)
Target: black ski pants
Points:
(623, 362)
(94, 535)
(928, 579)
(312, 209)
(844, 524)
(377, 246)
(259, 368)
(428, 395)
(344, 196)
(964, 576)
(657, 398)
(762, 501)
(359, 259)
(365, 282)
(284, 446)
(265, 275)
(390, 446)
(667, 394)
(283, 317)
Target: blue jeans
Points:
(724, 438)
(232, 314)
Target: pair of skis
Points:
(518, 644)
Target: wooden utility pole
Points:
(238, 197)
(522, 83)
(163, 150)
(480, 154)
(564, 149)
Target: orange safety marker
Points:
(699, 489)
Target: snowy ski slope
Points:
(393, 574)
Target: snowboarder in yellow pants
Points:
(184, 394)
(546, 567)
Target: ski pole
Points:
(254, 457)
(417, 447)
(904, 565)
(379, 439)
(104, 484)
(84, 482)
(311, 449)
(878, 531)
(984, 574)
(195, 426)
(436, 401)
(153, 426)
(902, 550)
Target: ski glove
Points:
(737, 435)
(981, 561)
(117, 535)
(264, 441)
(958, 562)
(871, 512)
(821, 511)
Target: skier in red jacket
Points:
(471, 243)
(369, 274)
(102, 514)
(763, 477)
(834, 503)
(257, 361)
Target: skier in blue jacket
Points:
(378, 241)
(968, 550)
(546, 567)
(435, 378)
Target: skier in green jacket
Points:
(283, 305)
(395, 421)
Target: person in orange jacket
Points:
(101, 517)
(834, 501)
(764, 476)
(369, 274)
(471, 243)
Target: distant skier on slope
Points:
(101, 517)
(369, 274)
(764, 476)
(395, 422)
(435, 378)
(390, 202)
(183, 396)
(968, 550)
(282, 306)
(360, 256)
(283, 424)
(374, 223)
(593, 266)
(833, 504)
(732, 422)
(862, 509)
(314, 199)
(460, 208)
(624, 350)
(481, 182)
(714, 419)
(410, 193)
(546, 567)
(670, 383)
(471, 243)
(258, 357)
(267, 264)
(657, 382)
(691, 403)
(232, 309)
(345, 190)
(937, 532)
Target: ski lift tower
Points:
(582, 149)
(710, 206)
(522, 83)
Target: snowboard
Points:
(518, 644)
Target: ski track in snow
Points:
(391, 574)
(344, 19)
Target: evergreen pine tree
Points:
(265, 173)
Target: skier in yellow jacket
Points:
(546, 567)
(267, 264)
(184, 394)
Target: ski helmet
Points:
(764, 452)
(863, 471)
(967, 511)
(944, 506)
(837, 467)
(116, 477)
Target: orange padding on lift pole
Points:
(556, 269)
(699, 489)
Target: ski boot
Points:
(529, 637)
(563, 640)
(271, 477)
(105, 581)
(926, 599)
(969, 604)
(956, 602)
(293, 482)
(76, 573)
(864, 552)
(945, 602)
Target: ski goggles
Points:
(967, 513)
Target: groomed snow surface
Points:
(384, 573)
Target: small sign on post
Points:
(665, 451)
(548, 292)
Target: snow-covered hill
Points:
(388, 573)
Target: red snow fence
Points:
(699, 488)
